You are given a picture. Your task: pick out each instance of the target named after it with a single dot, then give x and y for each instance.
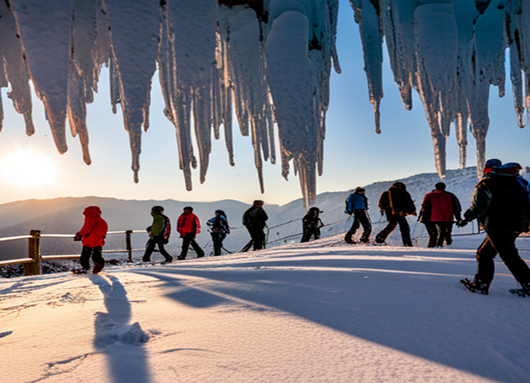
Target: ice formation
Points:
(269, 60)
(450, 51)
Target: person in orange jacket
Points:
(92, 235)
(188, 226)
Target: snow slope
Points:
(64, 216)
(316, 312)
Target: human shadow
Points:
(408, 303)
(121, 342)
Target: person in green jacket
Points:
(159, 233)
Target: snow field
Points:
(315, 312)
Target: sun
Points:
(27, 168)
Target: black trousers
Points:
(218, 239)
(310, 231)
(87, 252)
(439, 232)
(151, 247)
(502, 243)
(360, 217)
(257, 239)
(189, 239)
(393, 221)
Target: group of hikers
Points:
(500, 203)
(94, 232)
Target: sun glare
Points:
(27, 168)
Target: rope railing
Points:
(32, 262)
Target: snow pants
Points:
(310, 231)
(95, 253)
(189, 239)
(439, 232)
(360, 217)
(218, 239)
(151, 247)
(257, 239)
(393, 221)
(502, 243)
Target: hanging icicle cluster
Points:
(269, 59)
(450, 51)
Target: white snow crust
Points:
(316, 312)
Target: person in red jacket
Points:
(438, 212)
(92, 235)
(188, 226)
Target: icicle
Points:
(366, 15)
(16, 71)
(45, 32)
(134, 50)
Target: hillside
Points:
(64, 216)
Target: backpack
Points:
(166, 231)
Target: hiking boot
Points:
(98, 266)
(181, 257)
(475, 286)
(168, 260)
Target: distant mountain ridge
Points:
(64, 215)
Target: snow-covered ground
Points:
(316, 312)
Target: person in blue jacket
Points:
(357, 204)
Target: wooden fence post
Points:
(128, 244)
(33, 268)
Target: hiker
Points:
(311, 224)
(501, 205)
(357, 204)
(92, 235)
(219, 230)
(188, 226)
(438, 211)
(396, 203)
(254, 219)
(159, 233)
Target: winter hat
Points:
(440, 186)
(157, 209)
(188, 208)
(220, 212)
(258, 202)
(399, 185)
(509, 168)
(491, 164)
(359, 189)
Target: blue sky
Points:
(353, 153)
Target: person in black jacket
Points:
(502, 206)
(311, 224)
(254, 219)
(396, 203)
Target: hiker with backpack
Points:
(188, 226)
(357, 204)
(501, 205)
(92, 235)
(254, 219)
(396, 203)
(218, 229)
(159, 233)
(438, 211)
(311, 224)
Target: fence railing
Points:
(32, 264)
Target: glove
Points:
(462, 223)
(77, 237)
